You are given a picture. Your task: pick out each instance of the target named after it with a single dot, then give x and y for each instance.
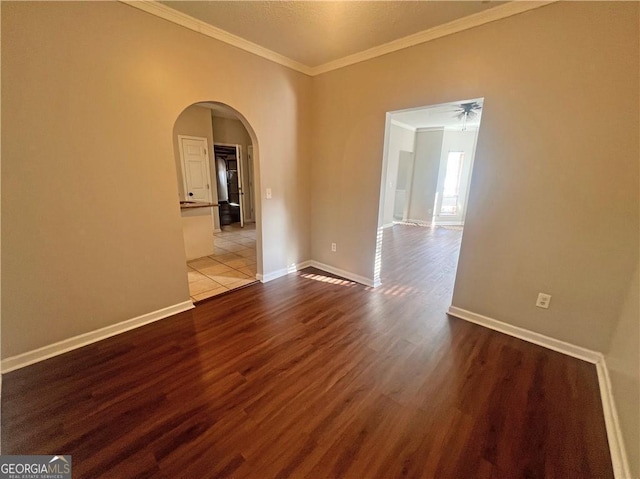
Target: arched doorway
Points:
(216, 156)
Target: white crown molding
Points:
(66, 345)
(497, 13)
(406, 126)
(455, 26)
(160, 10)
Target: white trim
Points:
(265, 278)
(217, 143)
(418, 222)
(187, 21)
(491, 15)
(448, 223)
(66, 345)
(341, 272)
(304, 264)
(526, 335)
(617, 450)
(406, 126)
(461, 24)
(614, 434)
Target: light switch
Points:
(268, 193)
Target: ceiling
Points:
(439, 116)
(314, 33)
(219, 110)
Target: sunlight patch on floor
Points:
(395, 290)
(327, 279)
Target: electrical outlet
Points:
(543, 300)
(334, 247)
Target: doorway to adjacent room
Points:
(215, 183)
(428, 162)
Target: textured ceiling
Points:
(317, 32)
(437, 116)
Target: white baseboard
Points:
(417, 222)
(448, 223)
(340, 272)
(526, 335)
(614, 434)
(66, 345)
(304, 264)
(265, 278)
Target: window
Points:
(451, 191)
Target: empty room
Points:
(219, 259)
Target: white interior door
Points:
(195, 168)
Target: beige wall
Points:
(232, 131)
(623, 362)
(554, 197)
(91, 225)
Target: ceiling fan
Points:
(467, 111)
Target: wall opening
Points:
(428, 159)
(216, 155)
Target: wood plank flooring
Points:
(310, 376)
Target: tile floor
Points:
(232, 264)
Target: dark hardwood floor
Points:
(313, 376)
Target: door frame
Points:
(250, 188)
(184, 168)
(239, 159)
